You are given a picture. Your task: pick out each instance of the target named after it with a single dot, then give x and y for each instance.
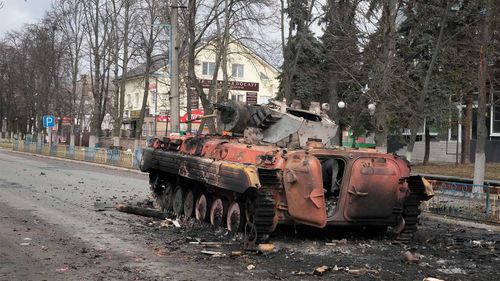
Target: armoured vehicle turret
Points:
(277, 164)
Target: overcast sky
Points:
(16, 13)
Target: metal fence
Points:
(465, 201)
(114, 157)
(6, 144)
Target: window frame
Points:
(235, 70)
(209, 66)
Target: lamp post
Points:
(341, 105)
(156, 101)
(37, 130)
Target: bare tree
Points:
(70, 21)
(152, 13)
(122, 22)
(224, 22)
(97, 26)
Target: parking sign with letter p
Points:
(48, 121)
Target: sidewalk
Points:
(73, 161)
(493, 227)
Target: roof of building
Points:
(160, 61)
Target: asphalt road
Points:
(50, 229)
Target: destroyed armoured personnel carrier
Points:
(281, 165)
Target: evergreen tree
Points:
(303, 60)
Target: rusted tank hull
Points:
(272, 185)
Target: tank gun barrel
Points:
(233, 116)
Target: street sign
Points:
(251, 98)
(48, 121)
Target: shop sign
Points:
(233, 85)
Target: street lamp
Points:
(372, 106)
(341, 105)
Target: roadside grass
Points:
(461, 171)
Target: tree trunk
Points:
(480, 163)
(122, 91)
(389, 10)
(193, 43)
(425, 88)
(427, 144)
(381, 128)
(138, 131)
(467, 130)
(413, 137)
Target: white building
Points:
(252, 80)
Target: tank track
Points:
(410, 214)
(263, 218)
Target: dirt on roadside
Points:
(441, 251)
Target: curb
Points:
(76, 161)
(462, 222)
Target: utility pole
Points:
(174, 72)
(156, 103)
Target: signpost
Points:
(48, 122)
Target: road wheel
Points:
(217, 212)
(188, 203)
(235, 218)
(201, 209)
(178, 202)
(168, 197)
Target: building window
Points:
(237, 97)
(238, 70)
(136, 100)
(263, 76)
(208, 68)
(129, 101)
(496, 119)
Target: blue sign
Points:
(49, 121)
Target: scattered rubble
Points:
(214, 254)
(321, 270)
(266, 248)
(454, 270)
(412, 257)
(147, 212)
(63, 269)
(250, 266)
(236, 253)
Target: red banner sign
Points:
(162, 118)
(195, 113)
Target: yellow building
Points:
(251, 79)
